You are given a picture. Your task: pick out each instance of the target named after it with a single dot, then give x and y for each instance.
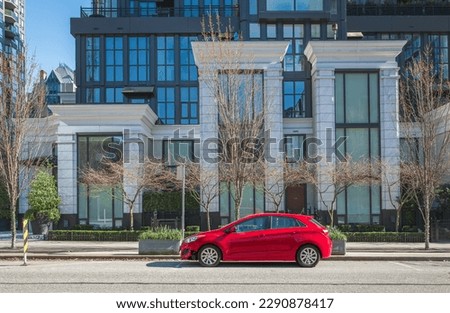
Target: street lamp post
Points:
(181, 175)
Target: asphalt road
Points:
(176, 276)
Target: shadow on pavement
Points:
(187, 264)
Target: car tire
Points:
(308, 256)
(209, 256)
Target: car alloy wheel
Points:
(308, 256)
(209, 256)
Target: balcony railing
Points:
(398, 9)
(194, 11)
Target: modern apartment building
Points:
(12, 26)
(139, 85)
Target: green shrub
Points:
(409, 229)
(193, 228)
(43, 199)
(365, 228)
(336, 234)
(161, 233)
(83, 227)
(384, 237)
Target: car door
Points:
(247, 243)
(282, 239)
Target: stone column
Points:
(389, 135)
(273, 93)
(67, 178)
(324, 131)
(209, 132)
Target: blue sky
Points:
(47, 31)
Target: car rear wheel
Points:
(209, 256)
(308, 256)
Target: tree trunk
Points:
(131, 216)
(13, 225)
(397, 220)
(208, 219)
(427, 222)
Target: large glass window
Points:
(211, 7)
(293, 57)
(166, 105)
(188, 70)
(99, 206)
(114, 95)
(92, 59)
(139, 58)
(143, 7)
(293, 147)
(166, 58)
(294, 5)
(252, 202)
(114, 59)
(93, 95)
(293, 99)
(189, 105)
(439, 44)
(253, 7)
(191, 8)
(357, 119)
(178, 151)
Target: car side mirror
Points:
(232, 229)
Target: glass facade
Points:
(99, 206)
(166, 58)
(293, 99)
(294, 5)
(252, 202)
(92, 59)
(166, 105)
(188, 69)
(357, 119)
(139, 59)
(293, 57)
(114, 59)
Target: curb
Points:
(15, 256)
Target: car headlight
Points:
(190, 239)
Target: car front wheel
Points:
(209, 256)
(308, 256)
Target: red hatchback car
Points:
(261, 237)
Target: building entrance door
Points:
(296, 199)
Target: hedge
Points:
(93, 235)
(126, 235)
(99, 235)
(384, 237)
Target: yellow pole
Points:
(25, 241)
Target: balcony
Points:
(11, 31)
(398, 9)
(193, 11)
(10, 16)
(11, 4)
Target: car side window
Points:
(285, 222)
(258, 223)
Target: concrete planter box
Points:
(338, 247)
(159, 247)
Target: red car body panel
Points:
(272, 244)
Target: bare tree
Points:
(22, 104)
(274, 182)
(340, 176)
(400, 189)
(150, 175)
(425, 108)
(203, 186)
(238, 94)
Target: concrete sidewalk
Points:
(42, 249)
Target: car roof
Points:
(279, 214)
